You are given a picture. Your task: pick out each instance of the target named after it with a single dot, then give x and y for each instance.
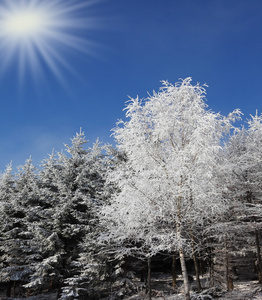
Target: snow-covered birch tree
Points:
(167, 184)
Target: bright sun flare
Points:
(24, 23)
(34, 33)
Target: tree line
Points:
(182, 180)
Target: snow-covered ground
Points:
(244, 290)
(161, 289)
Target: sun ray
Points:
(34, 32)
(48, 55)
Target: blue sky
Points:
(131, 45)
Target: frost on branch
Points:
(169, 181)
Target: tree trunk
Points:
(180, 248)
(143, 272)
(211, 271)
(197, 273)
(259, 261)
(201, 267)
(182, 258)
(229, 279)
(174, 270)
(14, 288)
(149, 278)
(184, 273)
(195, 261)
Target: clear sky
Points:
(68, 64)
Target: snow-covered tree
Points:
(6, 194)
(171, 142)
(72, 190)
(22, 213)
(47, 270)
(7, 211)
(244, 155)
(49, 222)
(84, 171)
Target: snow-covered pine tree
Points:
(6, 223)
(47, 271)
(244, 154)
(22, 247)
(72, 188)
(218, 233)
(80, 194)
(87, 188)
(171, 142)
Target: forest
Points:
(177, 199)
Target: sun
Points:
(34, 34)
(25, 23)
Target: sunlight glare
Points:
(36, 35)
(25, 23)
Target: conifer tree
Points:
(22, 247)
(244, 154)
(47, 271)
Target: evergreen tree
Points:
(6, 223)
(244, 154)
(47, 271)
(22, 212)
(71, 190)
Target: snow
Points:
(161, 282)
